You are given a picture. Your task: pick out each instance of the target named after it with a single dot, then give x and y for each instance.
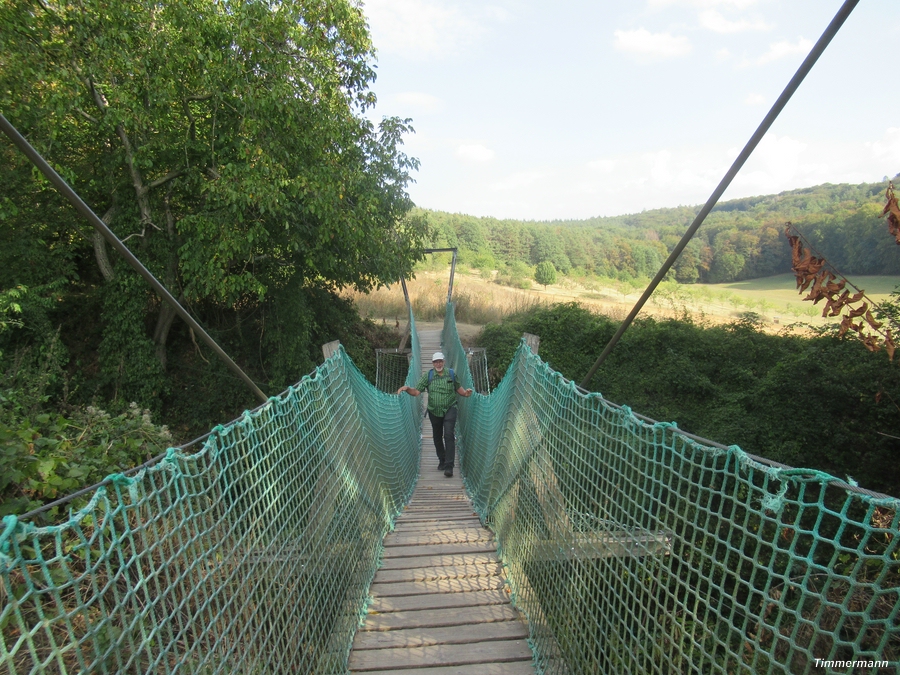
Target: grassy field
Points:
(480, 301)
(776, 298)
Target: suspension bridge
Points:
(313, 535)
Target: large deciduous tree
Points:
(225, 141)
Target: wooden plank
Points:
(533, 342)
(419, 505)
(428, 524)
(457, 585)
(439, 601)
(436, 523)
(438, 502)
(509, 668)
(488, 569)
(432, 527)
(444, 635)
(444, 518)
(437, 518)
(439, 498)
(330, 348)
(438, 549)
(439, 560)
(433, 618)
(440, 655)
(436, 499)
(441, 536)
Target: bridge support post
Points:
(533, 342)
(330, 348)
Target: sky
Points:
(532, 110)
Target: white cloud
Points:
(887, 149)
(518, 180)
(417, 28)
(780, 156)
(659, 166)
(603, 165)
(714, 21)
(649, 46)
(779, 50)
(755, 99)
(419, 102)
(474, 152)
(784, 163)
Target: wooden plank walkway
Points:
(440, 606)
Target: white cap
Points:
(438, 356)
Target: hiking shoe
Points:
(441, 466)
(448, 472)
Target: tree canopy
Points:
(226, 143)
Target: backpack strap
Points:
(431, 375)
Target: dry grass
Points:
(479, 300)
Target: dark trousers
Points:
(444, 443)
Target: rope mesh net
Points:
(252, 555)
(476, 358)
(632, 548)
(391, 369)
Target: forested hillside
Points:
(741, 239)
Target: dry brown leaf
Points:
(817, 291)
(832, 288)
(870, 342)
(859, 311)
(846, 322)
(892, 210)
(825, 285)
(836, 305)
(871, 320)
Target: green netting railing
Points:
(252, 555)
(634, 548)
(631, 547)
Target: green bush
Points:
(49, 455)
(819, 402)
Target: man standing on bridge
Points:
(442, 389)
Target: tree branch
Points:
(89, 118)
(165, 179)
(106, 268)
